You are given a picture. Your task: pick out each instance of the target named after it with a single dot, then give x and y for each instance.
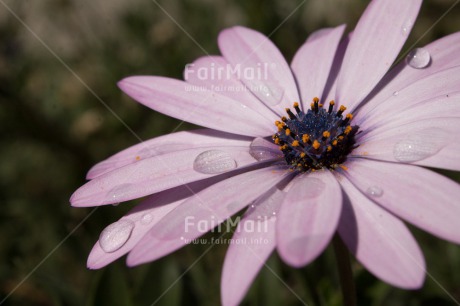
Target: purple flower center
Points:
(317, 138)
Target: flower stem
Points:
(347, 285)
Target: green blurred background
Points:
(53, 129)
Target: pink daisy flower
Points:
(350, 161)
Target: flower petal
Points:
(443, 56)
(331, 84)
(158, 173)
(166, 144)
(421, 197)
(203, 211)
(380, 241)
(426, 142)
(377, 40)
(216, 74)
(145, 216)
(256, 232)
(312, 63)
(206, 108)
(431, 87)
(308, 217)
(444, 105)
(264, 69)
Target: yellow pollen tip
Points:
(332, 103)
(295, 143)
(316, 99)
(284, 119)
(277, 141)
(277, 122)
(316, 144)
(305, 138)
(349, 116)
(347, 130)
(344, 167)
(287, 109)
(288, 132)
(283, 147)
(326, 134)
(320, 105)
(312, 105)
(138, 158)
(296, 104)
(334, 143)
(340, 138)
(302, 154)
(342, 108)
(299, 165)
(329, 148)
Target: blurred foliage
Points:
(54, 128)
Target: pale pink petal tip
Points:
(380, 241)
(244, 261)
(376, 42)
(203, 107)
(308, 217)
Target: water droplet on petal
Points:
(260, 151)
(374, 191)
(119, 191)
(414, 149)
(406, 28)
(395, 93)
(146, 219)
(269, 93)
(114, 236)
(214, 162)
(418, 58)
(265, 207)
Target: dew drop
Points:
(265, 207)
(114, 236)
(146, 219)
(374, 191)
(119, 191)
(270, 94)
(406, 28)
(395, 93)
(414, 149)
(260, 150)
(418, 58)
(214, 162)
